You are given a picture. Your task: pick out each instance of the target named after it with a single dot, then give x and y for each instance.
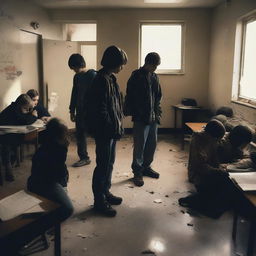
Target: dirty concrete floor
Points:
(141, 225)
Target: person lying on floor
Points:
(216, 192)
(232, 147)
(49, 174)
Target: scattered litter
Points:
(81, 235)
(190, 224)
(176, 192)
(158, 201)
(182, 211)
(148, 252)
(130, 186)
(166, 195)
(151, 192)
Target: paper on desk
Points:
(16, 204)
(245, 180)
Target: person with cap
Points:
(142, 102)
(106, 114)
(78, 104)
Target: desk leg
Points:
(252, 233)
(57, 240)
(175, 119)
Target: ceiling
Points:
(129, 3)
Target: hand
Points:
(34, 113)
(72, 117)
(45, 119)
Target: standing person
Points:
(49, 174)
(81, 83)
(142, 102)
(106, 115)
(42, 112)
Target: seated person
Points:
(41, 111)
(231, 147)
(216, 192)
(49, 174)
(19, 112)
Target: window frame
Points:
(239, 60)
(180, 71)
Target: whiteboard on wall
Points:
(18, 62)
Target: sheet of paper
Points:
(16, 204)
(246, 180)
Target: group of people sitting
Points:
(211, 151)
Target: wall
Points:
(16, 15)
(121, 27)
(222, 55)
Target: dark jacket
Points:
(79, 96)
(41, 111)
(13, 116)
(48, 165)
(106, 110)
(143, 96)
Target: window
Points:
(244, 87)
(167, 40)
(86, 36)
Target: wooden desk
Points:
(252, 228)
(196, 127)
(19, 231)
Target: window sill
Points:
(244, 104)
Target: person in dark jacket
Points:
(78, 104)
(142, 102)
(106, 115)
(19, 112)
(42, 112)
(49, 174)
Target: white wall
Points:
(16, 15)
(222, 56)
(121, 27)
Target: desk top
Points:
(183, 107)
(196, 127)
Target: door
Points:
(58, 77)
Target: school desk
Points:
(252, 227)
(35, 221)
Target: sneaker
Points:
(151, 173)
(138, 180)
(82, 162)
(113, 200)
(105, 209)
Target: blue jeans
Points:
(105, 158)
(144, 145)
(54, 192)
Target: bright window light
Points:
(166, 40)
(248, 74)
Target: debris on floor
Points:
(158, 201)
(82, 236)
(190, 224)
(151, 192)
(166, 195)
(148, 252)
(176, 192)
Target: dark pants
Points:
(105, 158)
(56, 193)
(81, 141)
(220, 193)
(144, 145)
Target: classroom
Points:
(207, 50)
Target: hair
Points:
(56, 132)
(240, 135)
(113, 57)
(32, 93)
(153, 58)
(226, 111)
(23, 100)
(221, 118)
(215, 128)
(76, 60)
